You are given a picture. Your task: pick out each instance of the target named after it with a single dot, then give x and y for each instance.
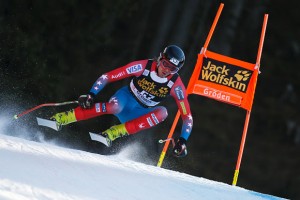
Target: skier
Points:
(135, 105)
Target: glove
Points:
(86, 101)
(180, 150)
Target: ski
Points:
(100, 138)
(48, 123)
(94, 136)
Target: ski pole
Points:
(43, 105)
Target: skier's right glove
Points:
(86, 101)
(179, 149)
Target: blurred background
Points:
(53, 51)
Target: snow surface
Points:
(41, 171)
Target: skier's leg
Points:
(97, 110)
(79, 114)
(154, 117)
(114, 106)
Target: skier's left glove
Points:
(86, 101)
(180, 149)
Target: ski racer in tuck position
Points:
(136, 105)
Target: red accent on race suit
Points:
(97, 110)
(146, 121)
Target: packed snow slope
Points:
(31, 170)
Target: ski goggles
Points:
(172, 68)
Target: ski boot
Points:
(114, 132)
(64, 118)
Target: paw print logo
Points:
(163, 90)
(242, 75)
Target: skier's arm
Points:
(135, 68)
(178, 92)
(131, 69)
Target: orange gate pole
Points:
(238, 164)
(213, 26)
